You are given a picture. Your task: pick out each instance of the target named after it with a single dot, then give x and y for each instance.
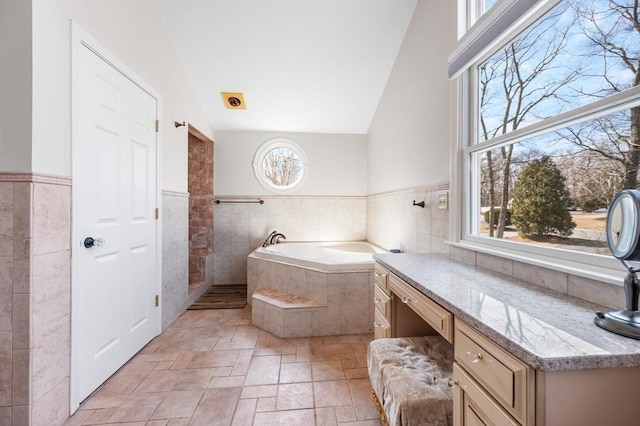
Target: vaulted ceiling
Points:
(302, 65)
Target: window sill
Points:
(604, 273)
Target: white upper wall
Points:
(134, 32)
(409, 135)
(338, 163)
(15, 85)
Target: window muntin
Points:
(578, 109)
(280, 165)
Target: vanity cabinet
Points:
(382, 303)
(491, 386)
(566, 379)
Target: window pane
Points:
(554, 189)
(581, 51)
(282, 167)
(487, 4)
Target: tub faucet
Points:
(269, 238)
(275, 239)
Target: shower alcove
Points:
(200, 184)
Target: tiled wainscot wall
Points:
(175, 257)
(394, 222)
(35, 290)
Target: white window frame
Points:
(274, 143)
(464, 110)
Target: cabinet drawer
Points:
(435, 315)
(381, 300)
(381, 327)
(381, 276)
(504, 377)
(473, 407)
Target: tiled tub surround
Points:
(394, 222)
(547, 330)
(294, 301)
(35, 289)
(388, 220)
(239, 228)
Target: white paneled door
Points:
(115, 282)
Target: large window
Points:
(554, 127)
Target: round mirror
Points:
(623, 229)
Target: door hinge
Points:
(157, 126)
(157, 301)
(157, 213)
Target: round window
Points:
(280, 165)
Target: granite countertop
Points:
(547, 330)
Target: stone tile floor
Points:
(212, 367)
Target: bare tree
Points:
(614, 35)
(518, 81)
(282, 167)
(591, 176)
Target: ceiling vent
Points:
(233, 100)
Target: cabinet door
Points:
(508, 380)
(473, 406)
(381, 327)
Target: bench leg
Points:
(379, 409)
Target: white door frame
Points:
(80, 38)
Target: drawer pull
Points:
(377, 300)
(378, 274)
(475, 357)
(405, 299)
(376, 324)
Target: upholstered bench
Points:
(411, 380)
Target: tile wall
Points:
(240, 228)
(35, 292)
(35, 304)
(605, 294)
(175, 255)
(388, 220)
(394, 222)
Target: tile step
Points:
(284, 300)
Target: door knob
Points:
(93, 242)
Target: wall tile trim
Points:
(175, 193)
(430, 188)
(31, 177)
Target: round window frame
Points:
(267, 147)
